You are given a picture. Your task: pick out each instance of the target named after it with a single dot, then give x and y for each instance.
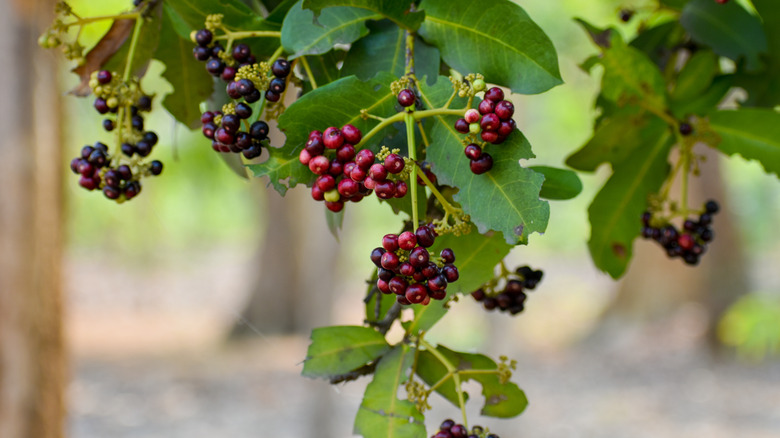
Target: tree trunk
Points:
(32, 353)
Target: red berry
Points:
(401, 189)
(419, 257)
(104, 77)
(383, 286)
(394, 163)
(416, 293)
(438, 282)
(462, 126)
(425, 236)
(490, 122)
(351, 134)
(390, 242)
(335, 206)
(472, 116)
(448, 255)
(358, 174)
(319, 165)
(348, 188)
(406, 98)
(495, 94)
(451, 273)
(385, 189)
(490, 136)
(345, 153)
(438, 295)
(364, 159)
(406, 269)
(332, 138)
(377, 172)
(473, 151)
(317, 194)
(482, 164)
(390, 261)
(505, 110)
(686, 242)
(326, 183)
(407, 240)
(506, 127)
(486, 107)
(398, 285)
(336, 168)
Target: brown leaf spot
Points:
(495, 399)
(619, 250)
(111, 42)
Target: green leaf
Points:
(764, 87)
(324, 67)
(499, 41)
(604, 38)
(382, 414)
(335, 222)
(697, 75)
(728, 28)
(148, 41)
(502, 400)
(506, 198)
(629, 75)
(189, 15)
(426, 317)
(399, 11)
(706, 102)
(615, 212)
(301, 35)
(659, 40)
(190, 81)
(278, 13)
(384, 49)
(337, 350)
(559, 184)
(335, 104)
(431, 370)
(615, 138)
(751, 132)
(476, 255)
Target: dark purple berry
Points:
(481, 165)
(259, 130)
(277, 85)
(241, 52)
(281, 68)
(203, 37)
(473, 152)
(243, 110)
(462, 126)
(271, 96)
(406, 98)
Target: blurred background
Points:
(188, 310)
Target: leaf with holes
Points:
(302, 35)
(335, 104)
(500, 41)
(751, 132)
(337, 350)
(399, 11)
(382, 414)
(504, 199)
(616, 211)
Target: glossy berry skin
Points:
(376, 256)
(482, 165)
(486, 107)
(390, 261)
(243, 111)
(406, 98)
(203, 37)
(104, 77)
(377, 172)
(451, 273)
(364, 159)
(394, 163)
(232, 90)
(332, 138)
(472, 116)
(253, 97)
(448, 255)
(385, 189)
(390, 242)
(345, 153)
(201, 53)
(259, 130)
(281, 68)
(352, 135)
(473, 151)
(401, 188)
(416, 293)
(506, 127)
(505, 110)
(419, 257)
(398, 285)
(495, 94)
(273, 97)
(241, 52)
(277, 85)
(407, 240)
(348, 188)
(228, 74)
(319, 165)
(462, 126)
(490, 136)
(711, 207)
(155, 167)
(325, 182)
(334, 206)
(425, 236)
(490, 122)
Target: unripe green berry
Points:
(474, 128)
(479, 85)
(332, 195)
(93, 84)
(192, 36)
(112, 102)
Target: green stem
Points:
(455, 377)
(409, 54)
(88, 20)
(452, 97)
(249, 34)
(308, 72)
(685, 158)
(399, 117)
(276, 53)
(409, 119)
(448, 208)
(131, 51)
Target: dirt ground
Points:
(149, 361)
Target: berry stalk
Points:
(409, 119)
(451, 369)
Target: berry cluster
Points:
(512, 297)
(492, 120)
(225, 130)
(688, 244)
(407, 269)
(226, 66)
(406, 98)
(449, 429)
(344, 174)
(123, 104)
